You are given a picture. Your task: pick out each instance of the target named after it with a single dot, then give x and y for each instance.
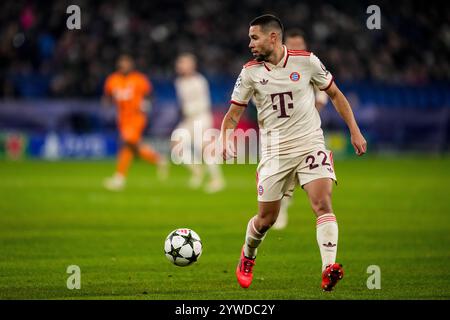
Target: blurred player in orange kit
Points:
(128, 90)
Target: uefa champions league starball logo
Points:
(295, 76)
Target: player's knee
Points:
(321, 205)
(265, 225)
(267, 221)
(270, 221)
(131, 145)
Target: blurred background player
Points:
(129, 90)
(295, 40)
(194, 97)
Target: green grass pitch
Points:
(392, 212)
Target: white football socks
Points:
(327, 238)
(252, 240)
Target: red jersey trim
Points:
(285, 61)
(329, 85)
(238, 103)
(299, 52)
(252, 63)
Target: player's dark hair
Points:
(293, 33)
(268, 21)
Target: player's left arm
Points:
(342, 106)
(107, 97)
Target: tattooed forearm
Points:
(231, 119)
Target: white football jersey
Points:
(284, 97)
(321, 96)
(193, 94)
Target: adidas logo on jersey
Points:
(264, 81)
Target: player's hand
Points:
(359, 143)
(228, 150)
(146, 106)
(106, 101)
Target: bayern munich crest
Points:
(295, 76)
(260, 190)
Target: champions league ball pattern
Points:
(183, 247)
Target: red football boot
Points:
(331, 275)
(244, 270)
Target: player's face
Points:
(125, 64)
(185, 66)
(261, 43)
(296, 43)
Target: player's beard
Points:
(263, 56)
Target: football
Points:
(183, 247)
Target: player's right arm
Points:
(242, 92)
(229, 123)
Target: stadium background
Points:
(396, 78)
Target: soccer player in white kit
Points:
(292, 143)
(295, 40)
(193, 94)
